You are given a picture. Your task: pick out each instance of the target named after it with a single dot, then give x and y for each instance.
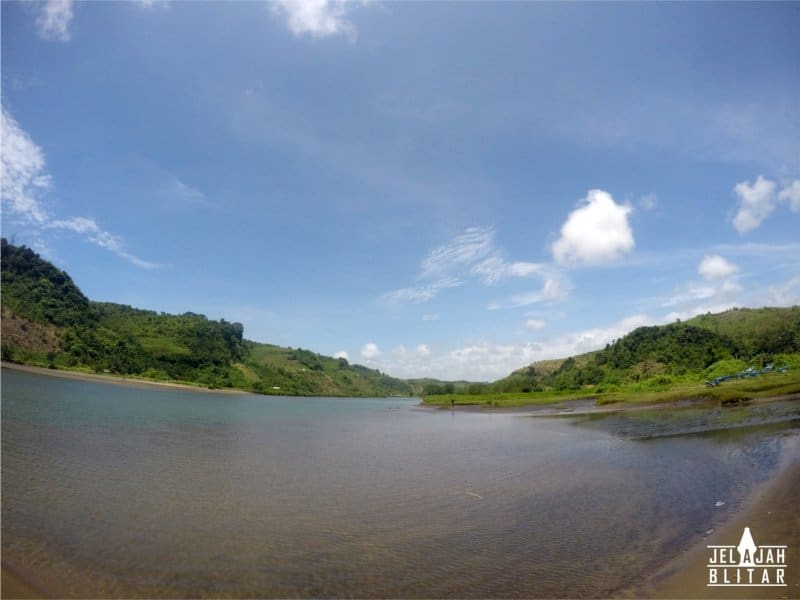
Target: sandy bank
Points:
(773, 516)
(117, 379)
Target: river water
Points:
(110, 490)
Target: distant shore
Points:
(117, 379)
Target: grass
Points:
(773, 384)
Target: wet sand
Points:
(773, 516)
(117, 379)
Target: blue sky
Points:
(433, 189)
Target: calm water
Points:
(117, 491)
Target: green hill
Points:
(655, 358)
(47, 321)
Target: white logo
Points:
(758, 566)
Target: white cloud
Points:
(24, 179)
(534, 324)
(54, 19)
(791, 195)
(317, 18)
(370, 351)
(596, 232)
(494, 269)
(176, 188)
(423, 350)
(469, 255)
(98, 236)
(342, 354)
(23, 173)
(418, 294)
(717, 292)
(463, 250)
(716, 267)
(785, 294)
(553, 290)
(756, 202)
(648, 202)
(430, 317)
(485, 360)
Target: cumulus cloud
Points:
(716, 267)
(370, 351)
(786, 293)
(24, 179)
(317, 18)
(717, 291)
(341, 354)
(756, 203)
(486, 360)
(596, 232)
(54, 19)
(759, 199)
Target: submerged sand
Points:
(772, 513)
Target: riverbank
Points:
(772, 515)
(771, 386)
(117, 379)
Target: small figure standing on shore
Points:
(452, 402)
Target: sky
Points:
(449, 190)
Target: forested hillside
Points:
(47, 321)
(657, 357)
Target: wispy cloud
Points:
(317, 18)
(553, 290)
(469, 255)
(54, 19)
(419, 294)
(25, 179)
(177, 189)
(464, 250)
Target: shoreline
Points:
(118, 379)
(771, 513)
(581, 406)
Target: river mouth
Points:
(110, 491)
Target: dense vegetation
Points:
(48, 321)
(660, 358)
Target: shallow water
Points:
(117, 491)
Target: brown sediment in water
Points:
(14, 585)
(773, 515)
(117, 379)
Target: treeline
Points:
(655, 358)
(48, 321)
